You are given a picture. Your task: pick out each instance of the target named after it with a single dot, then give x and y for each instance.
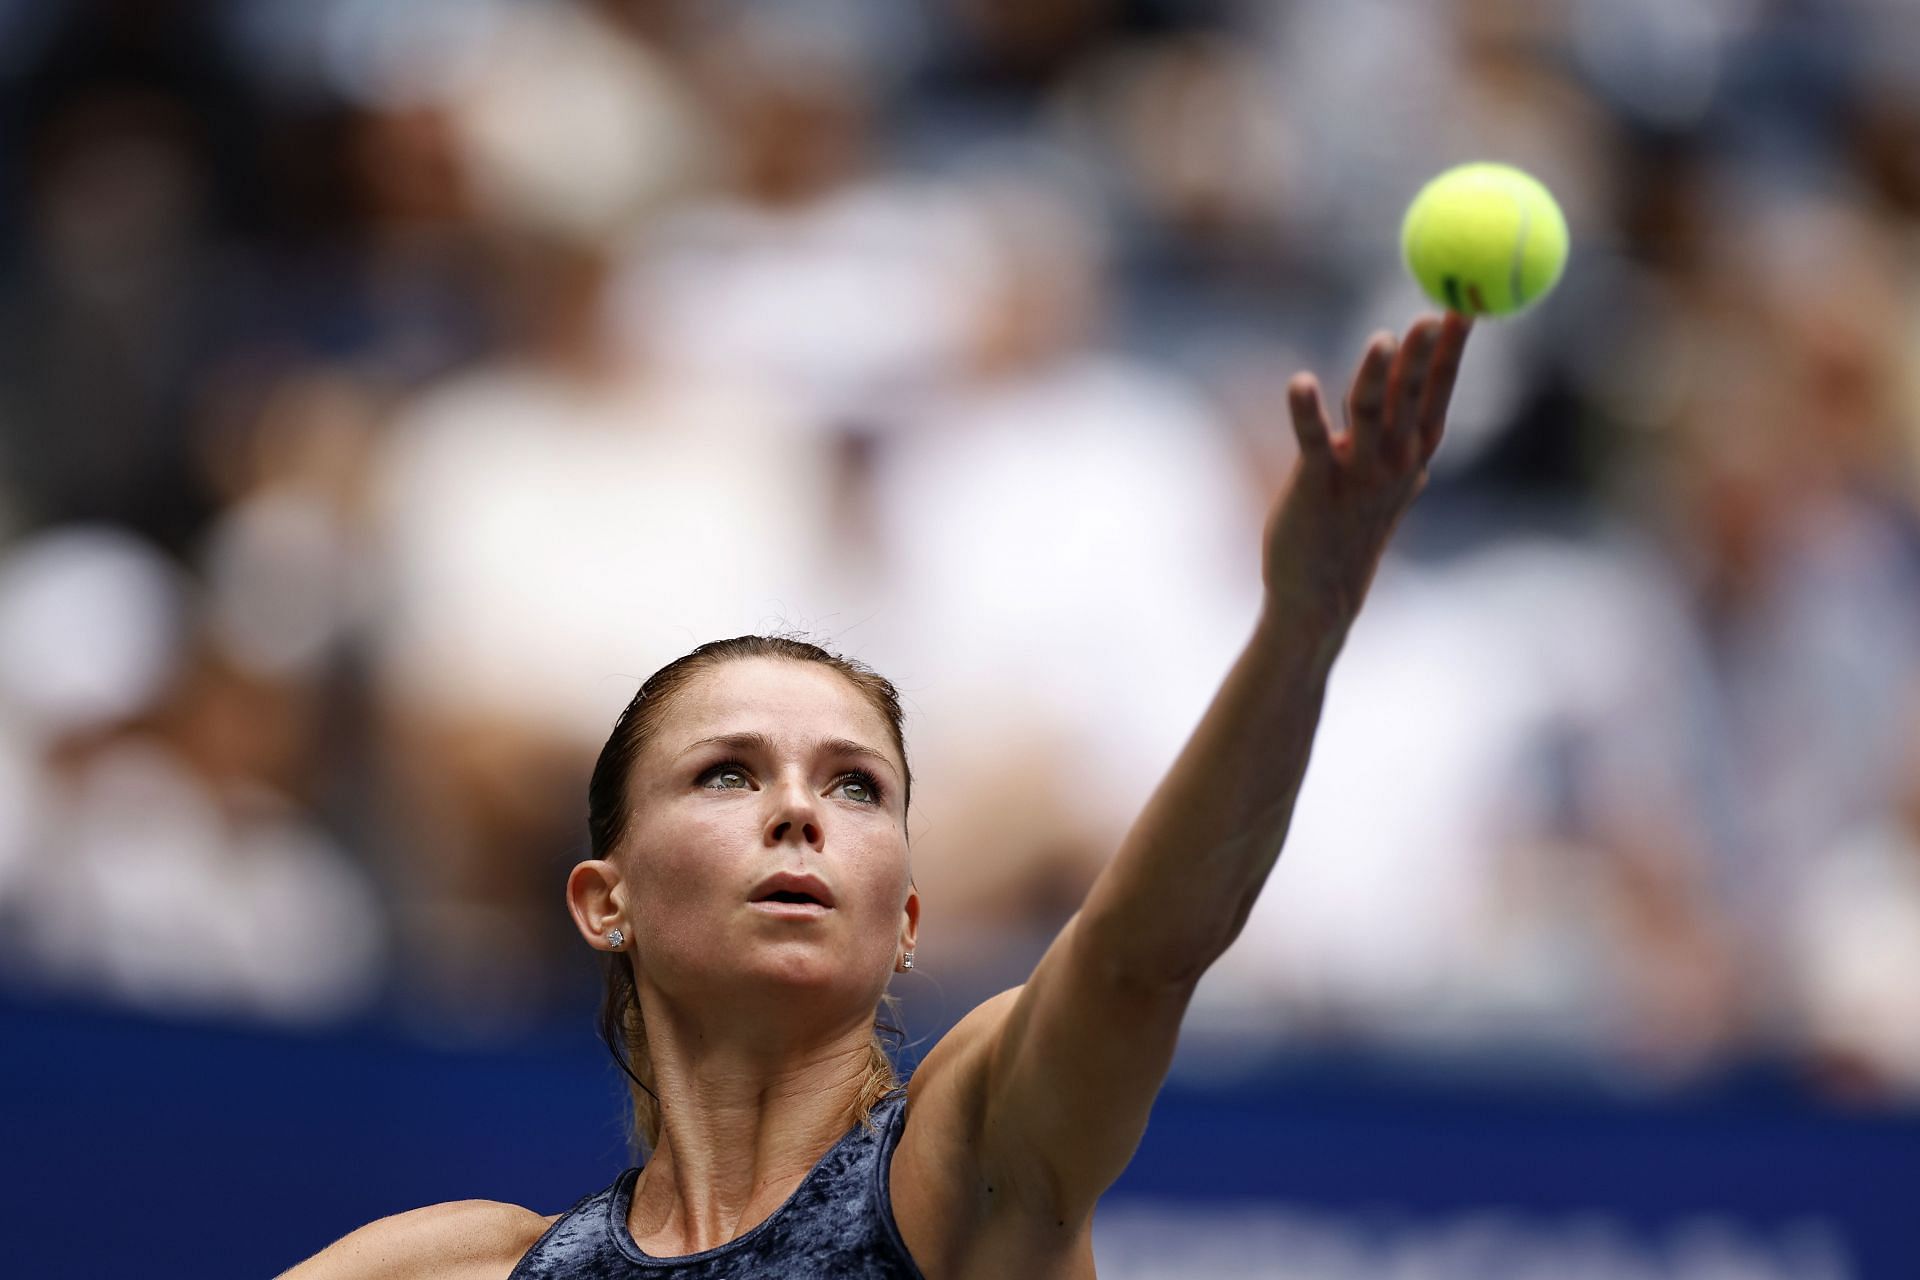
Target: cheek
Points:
(879, 884)
(684, 882)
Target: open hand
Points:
(1346, 493)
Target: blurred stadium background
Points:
(388, 388)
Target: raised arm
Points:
(1057, 1076)
(1183, 882)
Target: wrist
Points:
(1312, 624)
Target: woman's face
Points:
(711, 821)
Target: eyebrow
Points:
(761, 742)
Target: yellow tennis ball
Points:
(1485, 239)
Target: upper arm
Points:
(1054, 1080)
(460, 1238)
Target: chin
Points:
(791, 972)
(791, 966)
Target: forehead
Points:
(777, 697)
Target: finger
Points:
(1367, 400)
(1310, 425)
(1406, 384)
(1448, 349)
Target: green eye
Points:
(722, 769)
(865, 781)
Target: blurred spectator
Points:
(111, 318)
(1768, 495)
(166, 862)
(551, 527)
(811, 270)
(572, 125)
(1063, 558)
(1506, 755)
(1853, 939)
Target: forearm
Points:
(1179, 890)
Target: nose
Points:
(794, 816)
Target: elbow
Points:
(1184, 971)
(1180, 960)
(1237, 921)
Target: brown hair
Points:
(621, 1024)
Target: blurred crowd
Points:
(389, 388)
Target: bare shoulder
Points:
(457, 1240)
(961, 1212)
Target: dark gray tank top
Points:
(838, 1222)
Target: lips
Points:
(792, 888)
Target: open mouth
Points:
(792, 905)
(789, 895)
(793, 892)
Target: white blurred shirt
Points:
(153, 890)
(548, 547)
(1081, 548)
(1854, 939)
(1389, 910)
(840, 302)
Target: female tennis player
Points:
(751, 887)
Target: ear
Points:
(596, 898)
(910, 919)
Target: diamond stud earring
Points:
(615, 938)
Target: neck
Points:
(741, 1123)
